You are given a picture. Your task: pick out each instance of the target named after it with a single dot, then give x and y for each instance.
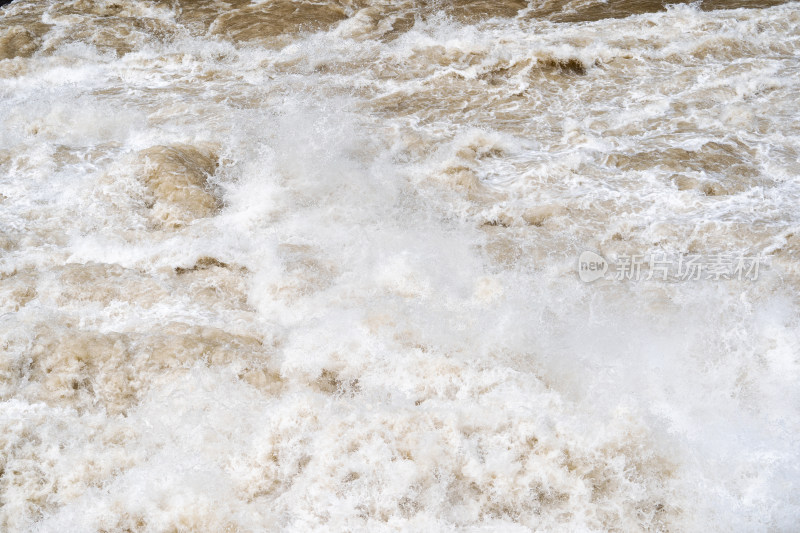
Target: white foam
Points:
(399, 229)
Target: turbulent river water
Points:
(314, 266)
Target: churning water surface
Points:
(313, 266)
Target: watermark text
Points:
(663, 267)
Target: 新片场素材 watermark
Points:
(663, 267)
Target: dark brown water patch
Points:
(330, 382)
(570, 65)
(67, 366)
(474, 10)
(177, 178)
(560, 11)
(259, 22)
(712, 157)
(118, 34)
(204, 263)
(17, 41)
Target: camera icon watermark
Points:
(664, 267)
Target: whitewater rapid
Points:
(289, 266)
